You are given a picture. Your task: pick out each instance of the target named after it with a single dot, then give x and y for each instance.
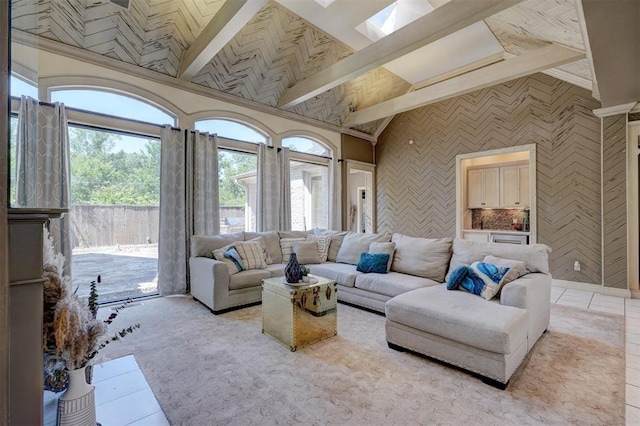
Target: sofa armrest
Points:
(533, 293)
(210, 282)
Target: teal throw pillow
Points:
(484, 279)
(373, 263)
(456, 277)
(233, 255)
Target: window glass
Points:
(238, 185)
(306, 145)
(13, 138)
(309, 196)
(21, 87)
(112, 104)
(231, 129)
(115, 197)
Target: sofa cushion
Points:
(248, 278)
(461, 317)
(202, 245)
(252, 253)
(391, 284)
(306, 252)
(271, 241)
(373, 263)
(355, 243)
(276, 270)
(465, 252)
(341, 273)
(423, 257)
(385, 248)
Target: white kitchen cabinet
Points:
(514, 186)
(483, 188)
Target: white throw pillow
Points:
(265, 252)
(323, 245)
(517, 268)
(252, 254)
(354, 244)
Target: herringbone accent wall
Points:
(614, 134)
(417, 183)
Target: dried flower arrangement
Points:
(71, 331)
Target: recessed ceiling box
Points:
(122, 3)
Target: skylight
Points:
(393, 17)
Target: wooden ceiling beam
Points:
(525, 64)
(446, 19)
(232, 16)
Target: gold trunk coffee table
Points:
(299, 315)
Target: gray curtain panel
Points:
(188, 202)
(274, 189)
(42, 167)
(206, 202)
(172, 242)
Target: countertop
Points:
(496, 231)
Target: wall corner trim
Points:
(614, 110)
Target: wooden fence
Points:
(100, 226)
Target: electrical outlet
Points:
(576, 266)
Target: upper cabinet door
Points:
(510, 189)
(483, 188)
(475, 189)
(491, 187)
(514, 186)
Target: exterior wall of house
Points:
(416, 184)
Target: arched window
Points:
(306, 145)
(110, 103)
(237, 172)
(21, 87)
(231, 129)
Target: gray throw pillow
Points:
(306, 252)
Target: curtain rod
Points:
(84, 111)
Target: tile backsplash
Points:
(495, 218)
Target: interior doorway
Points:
(360, 197)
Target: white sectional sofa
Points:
(487, 337)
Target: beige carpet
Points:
(221, 370)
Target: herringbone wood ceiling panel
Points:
(275, 50)
(152, 33)
(532, 23)
(417, 183)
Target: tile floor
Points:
(123, 396)
(630, 308)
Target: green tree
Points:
(231, 164)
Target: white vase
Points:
(77, 405)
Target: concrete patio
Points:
(125, 271)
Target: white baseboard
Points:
(595, 288)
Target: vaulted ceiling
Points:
(300, 56)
